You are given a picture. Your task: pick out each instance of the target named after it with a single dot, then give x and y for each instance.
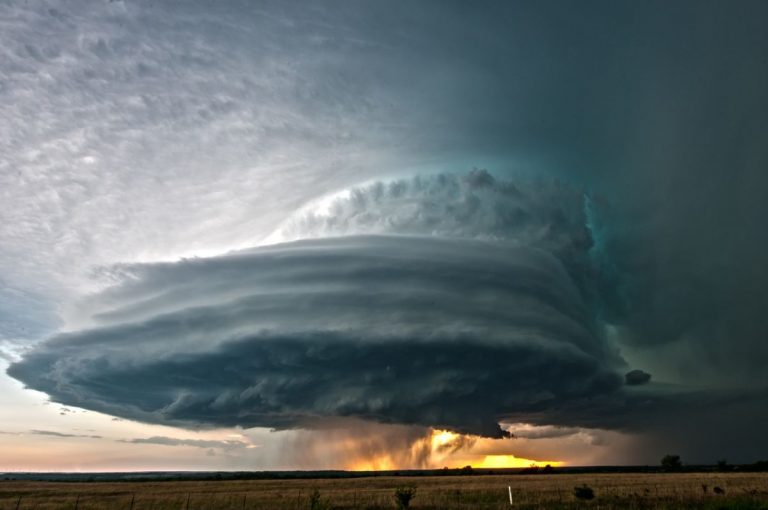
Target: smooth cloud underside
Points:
(452, 333)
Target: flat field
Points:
(540, 491)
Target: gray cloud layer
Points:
(197, 443)
(443, 332)
(60, 434)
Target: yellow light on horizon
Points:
(510, 461)
(443, 448)
(382, 463)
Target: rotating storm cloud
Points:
(447, 302)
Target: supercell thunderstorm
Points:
(454, 302)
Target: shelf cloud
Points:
(451, 333)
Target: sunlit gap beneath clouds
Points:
(445, 449)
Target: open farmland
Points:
(556, 491)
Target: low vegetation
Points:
(639, 491)
(584, 491)
(315, 500)
(404, 495)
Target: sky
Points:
(374, 235)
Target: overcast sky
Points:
(276, 235)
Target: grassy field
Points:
(556, 491)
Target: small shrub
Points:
(584, 491)
(315, 502)
(403, 496)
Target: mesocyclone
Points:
(443, 301)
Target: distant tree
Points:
(671, 462)
(547, 469)
(584, 491)
(403, 496)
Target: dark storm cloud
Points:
(452, 333)
(661, 111)
(636, 378)
(700, 424)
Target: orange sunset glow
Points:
(443, 448)
(510, 461)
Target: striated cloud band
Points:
(442, 332)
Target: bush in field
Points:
(671, 462)
(315, 503)
(584, 491)
(403, 496)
